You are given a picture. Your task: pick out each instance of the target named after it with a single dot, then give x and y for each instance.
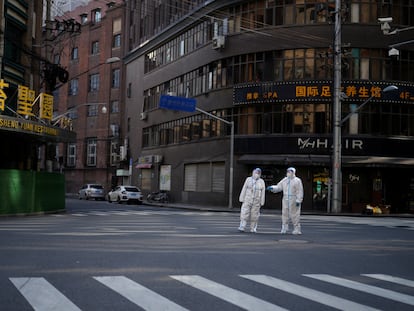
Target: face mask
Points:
(289, 174)
(256, 176)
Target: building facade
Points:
(27, 132)
(91, 100)
(268, 67)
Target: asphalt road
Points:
(101, 256)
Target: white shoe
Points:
(283, 231)
(253, 230)
(241, 229)
(296, 232)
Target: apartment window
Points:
(115, 78)
(74, 54)
(73, 87)
(204, 177)
(114, 130)
(94, 82)
(56, 59)
(114, 153)
(71, 155)
(116, 32)
(91, 152)
(114, 106)
(92, 110)
(95, 48)
(116, 41)
(96, 16)
(84, 18)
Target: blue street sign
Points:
(178, 103)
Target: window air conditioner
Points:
(143, 116)
(218, 42)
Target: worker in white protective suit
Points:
(252, 197)
(292, 188)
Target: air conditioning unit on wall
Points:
(218, 42)
(143, 116)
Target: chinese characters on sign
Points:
(177, 103)
(26, 100)
(3, 95)
(274, 92)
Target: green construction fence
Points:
(29, 192)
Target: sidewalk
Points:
(236, 209)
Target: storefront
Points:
(29, 164)
(376, 171)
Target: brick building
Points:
(92, 56)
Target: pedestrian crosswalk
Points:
(388, 222)
(42, 295)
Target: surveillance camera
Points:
(393, 52)
(383, 20)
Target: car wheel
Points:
(119, 200)
(108, 198)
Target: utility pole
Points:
(337, 135)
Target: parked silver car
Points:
(92, 191)
(129, 194)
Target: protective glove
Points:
(269, 188)
(297, 204)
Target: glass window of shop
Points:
(312, 118)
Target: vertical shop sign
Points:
(165, 177)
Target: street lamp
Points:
(385, 90)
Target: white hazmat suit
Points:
(292, 199)
(252, 197)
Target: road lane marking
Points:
(390, 278)
(373, 290)
(138, 294)
(42, 296)
(228, 294)
(311, 294)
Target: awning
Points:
(379, 161)
(323, 160)
(284, 159)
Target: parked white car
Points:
(129, 194)
(92, 191)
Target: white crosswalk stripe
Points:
(373, 290)
(138, 294)
(42, 295)
(390, 278)
(240, 299)
(311, 294)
